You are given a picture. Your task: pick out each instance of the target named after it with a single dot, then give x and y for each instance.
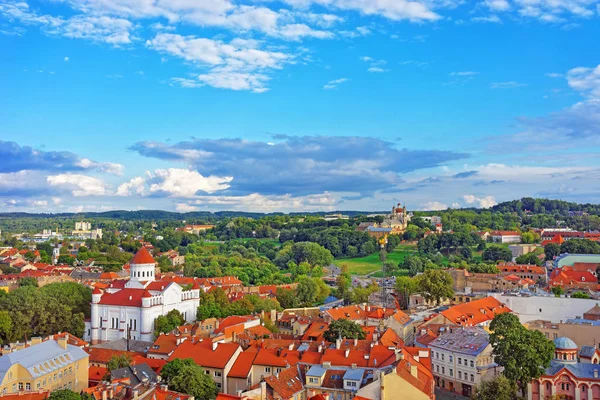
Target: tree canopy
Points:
(185, 376)
(344, 328)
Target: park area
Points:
(371, 263)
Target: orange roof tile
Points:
(475, 312)
(287, 384)
(243, 365)
(142, 257)
(102, 356)
(353, 312)
(203, 354)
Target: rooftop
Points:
(470, 341)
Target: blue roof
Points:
(331, 299)
(564, 343)
(354, 374)
(581, 321)
(587, 351)
(315, 370)
(580, 370)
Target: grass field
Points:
(371, 263)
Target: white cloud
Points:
(237, 65)
(109, 168)
(376, 69)
(182, 207)
(178, 182)
(481, 202)
(39, 203)
(491, 18)
(433, 206)
(507, 85)
(585, 80)
(464, 73)
(497, 5)
(269, 203)
(334, 83)
(80, 185)
(67, 59)
(134, 185)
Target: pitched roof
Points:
(242, 365)
(391, 339)
(142, 257)
(475, 312)
(352, 312)
(103, 356)
(287, 384)
(124, 297)
(203, 354)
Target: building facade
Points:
(129, 307)
(45, 366)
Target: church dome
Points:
(564, 343)
(142, 257)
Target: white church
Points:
(133, 305)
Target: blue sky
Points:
(297, 105)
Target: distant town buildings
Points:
(394, 223)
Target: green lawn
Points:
(371, 263)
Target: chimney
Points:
(346, 353)
(320, 349)
(181, 340)
(273, 316)
(263, 390)
(399, 355)
(356, 342)
(214, 345)
(291, 346)
(164, 387)
(105, 395)
(62, 342)
(338, 343)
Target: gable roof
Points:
(242, 365)
(203, 354)
(142, 257)
(475, 312)
(287, 384)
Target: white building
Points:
(134, 304)
(461, 359)
(506, 237)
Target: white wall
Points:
(554, 309)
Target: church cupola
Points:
(142, 266)
(565, 351)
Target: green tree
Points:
(529, 258)
(361, 295)
(497, 253)
(436, 285)
(64, 394)
(343, 284)
(166, 323)
(307, 291)
(405, 287)
(28, 281)
(286, 297)
(116, 362)
(498, 388)
(344, 328)
(580, 295)
(524, 354)
(5, 327)
(558, 291)
(551, 250)
(187, 377)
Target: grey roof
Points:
(121, 345)
(42, 358)
(373, 229)
(136, 373)
(581, 321)
(354, 374)
(587, 351)
(580, 370)
(469, 341)
(316, 370)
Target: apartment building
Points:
(44, 366)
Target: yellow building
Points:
(50, 365)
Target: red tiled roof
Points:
(475, 312)
(505, 233)
(242, 366)
(166, 344)
(287, 384)
(223, 396)
(96, 290)
(391, 338)
(353, 312)
(155, 363)
(142, 257)
(402, 317)
(102, 356)
(315, 331)
(231, 321)
(566, 276)
(124, 297)
(109, 275)
(160, 394)
(203, 354)
(26, 396)
(95, 374)
(529, 269)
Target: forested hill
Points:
(545, 206)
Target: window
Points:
(442, 356)
(437, 368)
(352, 384)
(554, 335)
(459, 361)
(20, 386)
(268, 369)
(14, 387)
(218, 373)
(54, 377)
(450, 358)
(451, 372)
(459, 375)
(313, 380)
(443, 370)
(219, 385)
(28, 386)
(100, 322)
(114, 323)
(472, 378)
(472, 364)
(206, 371)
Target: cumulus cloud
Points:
(433, 206)
(79, 185)
(19, 158)
(481, 202)
(300, 165)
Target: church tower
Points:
(141, 269)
